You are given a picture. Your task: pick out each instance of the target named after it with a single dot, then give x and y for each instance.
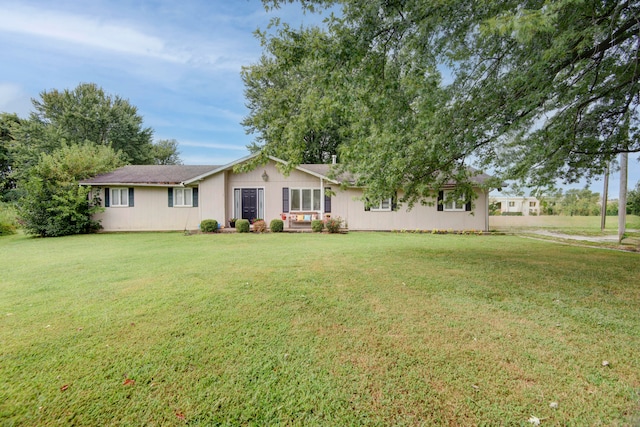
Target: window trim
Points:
(120, 191)
(380, 206)
(182, 190)
(454, 207)
(315, 193)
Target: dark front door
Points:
(249, 203)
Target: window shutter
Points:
(170, 193)
(394, 202)
(107, 197)
(467, 207)
(440, 201)
(367, 206)
(327, 201)
(195, 197)
(130, 197)
(285, 199)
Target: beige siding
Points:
(212, 200)
(151, 212)
(272, 187)
(349, 207)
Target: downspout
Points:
(321, 199)
(486, 210)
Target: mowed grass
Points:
(305, 329)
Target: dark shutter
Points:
(285, 199)
(394, 202)
(107, 195)
(367, 206)
(467, 207)
(170, 193)
(441, 201)
(327, 201)
(130, 197)
(195, 197)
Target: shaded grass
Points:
(358, 329)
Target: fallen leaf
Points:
(180, 415)
(534, 420)
(605, 363)
(64, 387)
(129, 381)
(553, 405)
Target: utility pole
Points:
(622, 199)
(605, 198)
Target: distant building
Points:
(514, 205)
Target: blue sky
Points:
(178, 62)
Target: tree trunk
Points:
(622, 199)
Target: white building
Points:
(513, 204)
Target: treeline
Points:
(584, 202)
(69, 136)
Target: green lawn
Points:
(305, 329)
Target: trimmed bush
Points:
(333, 225)
(242, 226)
(276, 225)
(511, 213)
(317, 225)
(209, 226)
(259, 226)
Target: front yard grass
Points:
(308, 329)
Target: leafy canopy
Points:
(535, 90)
(54, 204)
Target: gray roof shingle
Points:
(150, 174)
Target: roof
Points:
(150, 175)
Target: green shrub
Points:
(242, 226)
(276, 225)
(317, 225)
(209, 226)
(8, 220)
(511, 214)
(259, 226)
(333, 225)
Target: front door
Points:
(249, 203)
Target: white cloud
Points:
(14, 100)
(87, 31)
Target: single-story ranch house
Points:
(179, 197)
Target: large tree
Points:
(165, 152)
(536, 90)
(85, 114)
(290, 112)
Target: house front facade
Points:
(159, 198)
(515, 205)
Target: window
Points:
(119, 197)
(383, 205)
(532, 204)
(453, 205)
(183, 197)
(305, 199)
(512, 204)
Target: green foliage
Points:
(54, 204)
(259, 226)
(633, 200)
(612, 208)
(276, 225)
(7, 181)
(8, 219)
(582, 202)
(333, 224)
(243, 226)
(293, 114)
(317, 225)
(84, 115)
(538, 90)
(209, 226)
(165, 152)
